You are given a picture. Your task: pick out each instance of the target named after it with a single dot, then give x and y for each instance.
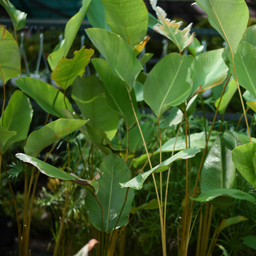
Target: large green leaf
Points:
(250, 35)
(138, 181)
(113, 170)
(229, 18)
(51, 133)
(218, 170)
(129, 19)
(196, 140)
(5, 135)
(54, 172)
(89, 95)
(18, 18)
(228, 95)
(210, 70)
(47, 97)
(68, 69)
(116, 92)
(135, 140)
(250, 241)
(17, 117)
(245, 61)
(96, 15)
(153, 204)
(169, 83)
(210, 195)
(244, 158)
(195, 48)
(9, 56)
(170, 29)
(117, 53)
(71, 29)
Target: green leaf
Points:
(228, 95)
(9, 56)
(89, 95)
(152, 205)
(18, 18)
(71, 29)
(225, 253)
(210, 70)
(51, 171)
(145, 58)
(218, 170)
(5, 135)
(195, 48)
(68, 69)
(244, 62)
(170, 29)
(248, 96)
(152, 20)
(210, 195)
(50, 133)
(116, 93)
(250, 35)
(129, 19)
(138, 181)
(47, 97)
(96, 15)
(17, 117)
(135, 140)
(250, 241)
(252, 105)
(169, 83)
(229, 18)
(231, 221)
(243, 159)
(196, 140)
(113, 170)
(138, 89)
(123, 63)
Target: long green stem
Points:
(153, 176)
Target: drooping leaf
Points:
(218, 169)
(135, 140)
(5, 135)
(129, 19)
(116, 92)
(170, 29)
(51, 171)
(228, 95)
(96, 15)
(250, 241)
(17, 117)
(71, 29)
(138, 181)
(51, 133)
(196, 140)
(243, 157)
(225, 252)
(229, 18)
(139, 47)
(18, 18)
(244, 63)
(210, 70)
(89, 96)
(210, 195)
(68, 69)
(153, 204)
(113, 170)
(47, 97)
(169, 83)
(123, 63)
(9, 56)
(231, 221)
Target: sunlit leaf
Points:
(51, 171)
(129, 19)
(18, 18)
(171, 29)
(71, 29)
(252, 105)
(9, 56)
(145, 58)
(50, 133)
(139, 47)
(68, 69)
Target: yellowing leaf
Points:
(139, 47)
(68, 69)
(170, 29)
(252, 105)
